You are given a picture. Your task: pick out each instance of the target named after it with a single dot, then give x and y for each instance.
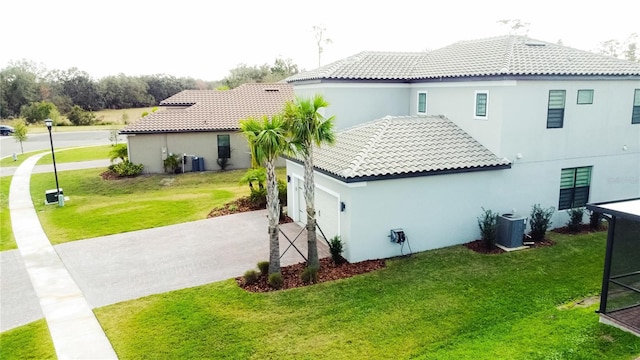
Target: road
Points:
(36, 142)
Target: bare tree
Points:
(516, 26)
(319, 31)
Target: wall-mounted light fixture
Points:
(342, 206)
(288, 178)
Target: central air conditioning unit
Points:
(511, 230)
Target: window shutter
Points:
(555, 113)
(635, 116)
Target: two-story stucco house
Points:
(203, 124)
(427, 139)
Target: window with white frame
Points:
(481, 108)
(585, 96)
(422, 103)
(635, 117)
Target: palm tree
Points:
(308, 128)
(267, 140)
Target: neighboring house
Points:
(504, 123)
(203, 124)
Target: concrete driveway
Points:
(127, 266)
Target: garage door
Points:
(327, 209)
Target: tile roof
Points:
(214, 110)
(404, 146)
(498, 56)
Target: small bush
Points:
(250, 277)
(126, 168)
(263, 266)
(488, 224)
(223, 163)
(282, 192)
(540, 221)
(172, 163)
(336, 247)
(258, 197)
(595, 221)
(310, 275)
(275, 280)
(79, 116)
(119, 151)
(575, 219)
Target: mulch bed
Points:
(328, 272)
(109, 175)
(243, 204)
(584, 229)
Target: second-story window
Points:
(635, 117)
(422, 103)
(481, 105)
(585, 97)
(555, 111)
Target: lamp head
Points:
(48, 122)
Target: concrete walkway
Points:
(74, 329)
(10, 170)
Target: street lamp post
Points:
(49, 122)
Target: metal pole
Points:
(55, 170)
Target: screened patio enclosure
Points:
(620, 296)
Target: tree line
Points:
(29, 90)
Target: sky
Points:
(205, 39)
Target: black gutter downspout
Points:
(607, 264)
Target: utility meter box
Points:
(511, 230)
(51, 196)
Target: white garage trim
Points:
(296, 211)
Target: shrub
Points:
(275, 280)
(126, 168)
(119, 151)
(258, 197)
(335, 247)
(263, 266)
(78, 116)
(488, 224)
(282, 192)
(310, 275)
(595, 220)
(540, 221)
(223, 163)
(575, 219)
(250, 277)
(171, 163)
(39, 111)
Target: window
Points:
(555, 113)
(635, 117)
(482, 105)
(224, 147)
(422, 103)
(574, 187)
(585, 97)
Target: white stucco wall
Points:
(147, 149)
(442, 210)
(353, 104)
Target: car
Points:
(6, 130)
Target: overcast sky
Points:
(205, 39)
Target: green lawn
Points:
(80, 154)
(98, 207)
(444, 304)
(31, 341)
(7, 242)
(62, 155)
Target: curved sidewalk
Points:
(74, 329)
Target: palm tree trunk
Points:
(273, 205)
(309, 197)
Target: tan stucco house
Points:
(203, 124)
